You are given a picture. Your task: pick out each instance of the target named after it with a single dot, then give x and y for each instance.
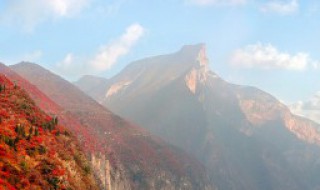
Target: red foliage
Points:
(4, 113)
(6, 185)
(58, 172)
(48, 118)
(52, 153)
(22, 134)
(44, 102)
(39, 140)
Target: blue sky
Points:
(272, 44)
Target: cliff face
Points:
(36, 152)
(245, 137)
(261, 108)
(137, 159)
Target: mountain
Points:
(245, 137)
(137, 159)
(36, 152)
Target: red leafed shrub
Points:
(3, 153)
(48, 118)
(4, 174)
(52, 153)
(4, 113)
(6, 185)
(58, 172)
(39, 140)
(54, 132)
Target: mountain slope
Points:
(35, 151)
(86, 138)
(138, 160)
(245, 137)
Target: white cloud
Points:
(108, 55)
(72, 66)
(217, 2)
(105, 58)
(29, 13)
(269, 57)
(309, 109)
(67, 62)
(283, 7)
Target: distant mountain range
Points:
(245, 137)
(138, 160)
(216, 135)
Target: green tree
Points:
(36, 132)
(31, 130)
(55, 120)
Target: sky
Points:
(270, 44)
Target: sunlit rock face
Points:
(116, 88)
(192, 80)
(245, 137)
(199, 73)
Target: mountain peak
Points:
(29, 66)
(198, 52)
(27, 63)
(199, 71)
(193, 47)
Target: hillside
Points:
(85, 136)
(36, 152)
(245, 137)
(138, 159)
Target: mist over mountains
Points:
(169, 122)
(123, 95)
(245, 137)
(138, 160)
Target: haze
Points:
(232, 86)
